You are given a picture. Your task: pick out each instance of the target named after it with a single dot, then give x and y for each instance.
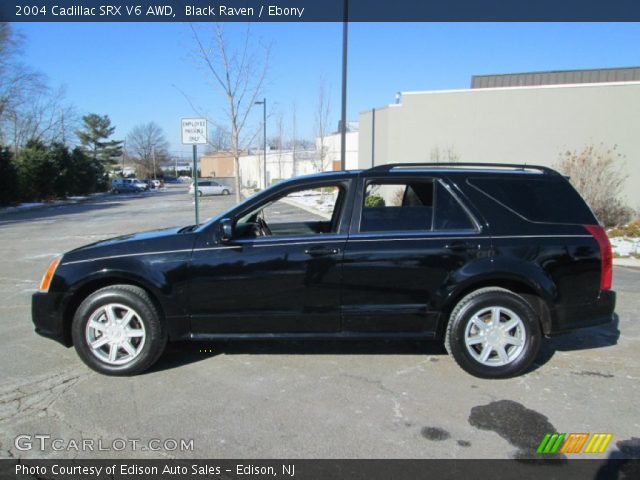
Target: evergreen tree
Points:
(38, 171)
(94, 137)
(88, 175)
(63, 183)
(8, 177)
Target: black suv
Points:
(488, 257)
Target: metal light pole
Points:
(343, 121)
(153, 156)
(264, 137)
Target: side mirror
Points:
(225, 229)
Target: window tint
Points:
(449, 214)
(397, 206)
(539, 199)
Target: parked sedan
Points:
(128, 185)
(209, 187)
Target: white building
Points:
(520, 118)
(281, 164)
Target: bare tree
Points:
(598, 174)
(239, 74)
(323, 110)
(45, 118)
(29, 108)
(219, 140)
(147, 141)
(448, 154)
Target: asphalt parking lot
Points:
(267, 399)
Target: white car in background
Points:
(209, 187)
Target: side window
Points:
(449, 214)
(397, 206)
(310, 211)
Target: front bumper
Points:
(573, 317)
(48, 318)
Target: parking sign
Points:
(194, 131)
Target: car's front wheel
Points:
(225, 192)
(493, 333)
(117, 331)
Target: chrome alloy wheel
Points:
(495, 336)
(115, 334)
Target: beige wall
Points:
(216, 165)
(513, 125)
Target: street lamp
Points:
(153, 156)
(264, 136)
(343, 116)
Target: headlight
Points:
(46, 279)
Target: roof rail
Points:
(512, 166)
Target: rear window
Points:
(538, 199)
(422, 205)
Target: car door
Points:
(216, 188)
(282, 277)
(408, 238)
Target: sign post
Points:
(194, 132)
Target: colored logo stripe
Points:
(574, 443)
(598, 443)
(550, 443)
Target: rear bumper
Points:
(47, 316)
(573, 317)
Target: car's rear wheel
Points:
(117, 330)
(199, 193)
(493, 333)
(225, 192)
(116, 191)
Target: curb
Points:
(57, 203)
(627, 262)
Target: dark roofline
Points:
(573, 70)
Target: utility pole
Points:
(343, 121)
(264, 137)
(153, 156)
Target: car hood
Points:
(143, 242)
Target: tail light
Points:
(606, 255)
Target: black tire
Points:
(147, 319)
(116, 191)
(225, 192)
(199, 193)
(515, 359)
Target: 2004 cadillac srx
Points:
(488, 258)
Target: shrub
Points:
(374, 201)
(8, 177)
(630, 230)
(37, 171)
(597, 173)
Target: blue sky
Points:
(130, 71)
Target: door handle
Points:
(322, 251)
(459, 246)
